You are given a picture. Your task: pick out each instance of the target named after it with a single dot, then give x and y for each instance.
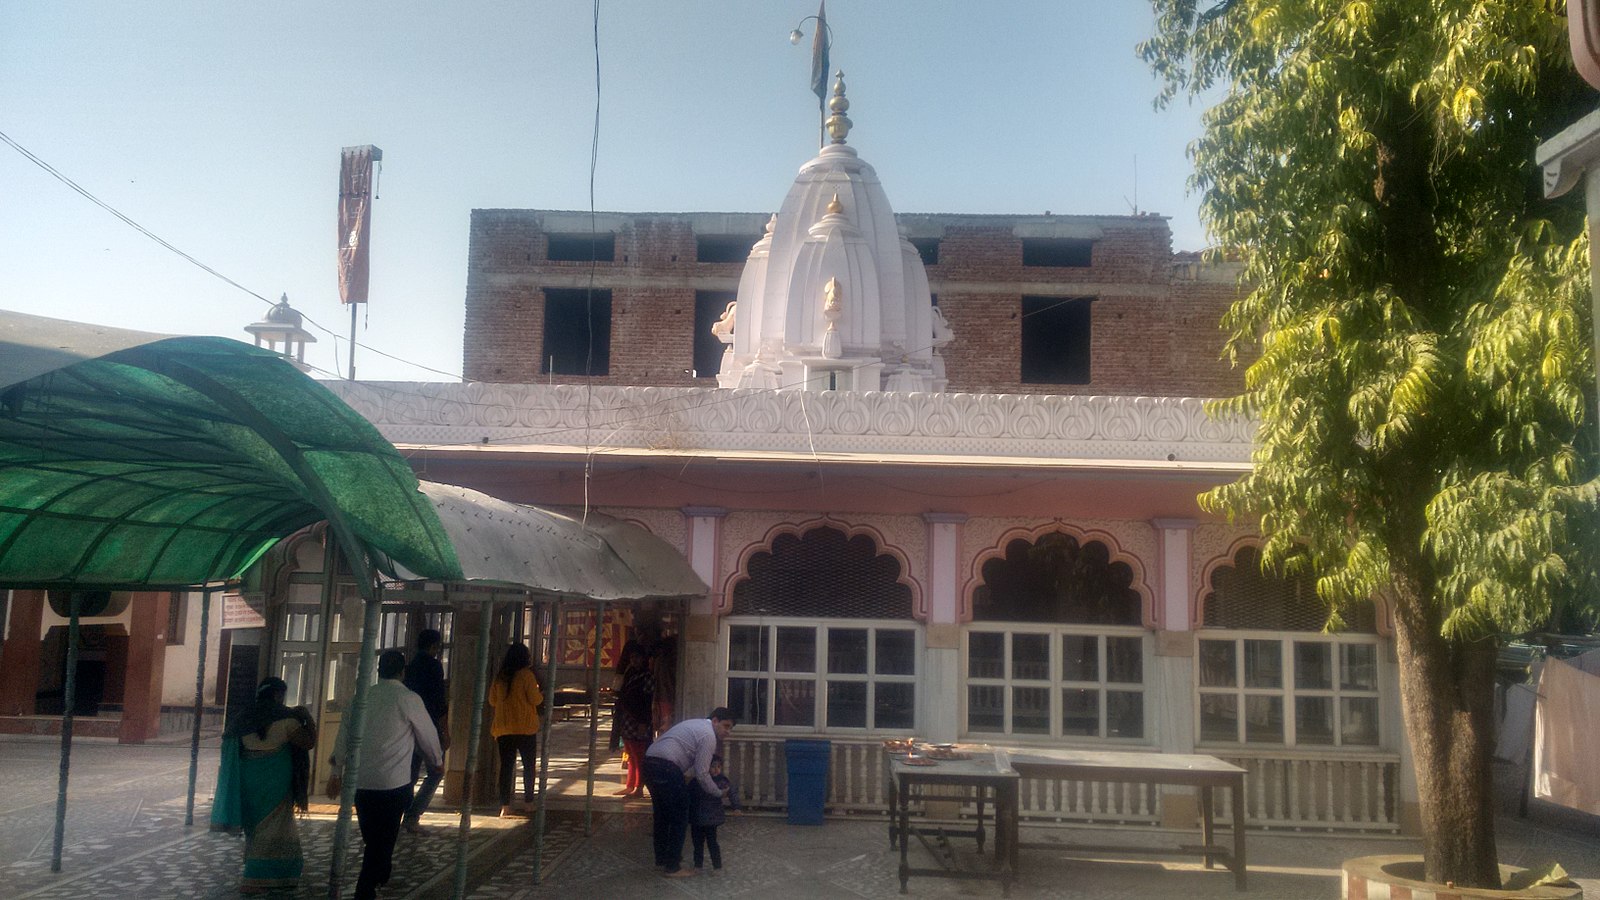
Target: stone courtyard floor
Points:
(125, 838)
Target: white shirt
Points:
(395, 722)
(689, 745)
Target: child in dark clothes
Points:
(708, 814)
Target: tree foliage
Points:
(1418, 322)
(1416, 334)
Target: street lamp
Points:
(281, 325)
(820, 45)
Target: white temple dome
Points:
(833, 297)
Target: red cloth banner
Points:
(576, 641)
(355, 221)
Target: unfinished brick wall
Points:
(1154, 326)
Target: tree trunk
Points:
(1447, 696)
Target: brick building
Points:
(940, 472)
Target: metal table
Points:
(1207, 773)
(986, 773)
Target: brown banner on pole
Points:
(355, 220)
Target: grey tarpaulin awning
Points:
(497, 542)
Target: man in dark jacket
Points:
(425, 677)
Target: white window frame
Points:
(1287, 691)
(819, 675)
(1055, 683)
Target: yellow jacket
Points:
(516, 711)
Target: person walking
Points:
(425, 678)
(679, 756)
(515, 697)
(710, 811)
(265, 771)
(631, 718)
(396, 725)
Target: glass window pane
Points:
(895, 705)
(1359, 667)
(1219, 717)
(847, 704)
(1358, 720)
(1080, 657)
(747, 697)
(1030, 657)
(341, 684)
(1313, 720)
(847, 652)
(302, 622)
(349, 611)
(1080, 711)
(1263, 720)
(897, 652)
(747, 648)
(1263, 664)
(1124, 714)
(1125, 660)
(1217, 664)
(986, 707)
(1030, 710)
(797, 650)
(986, 655)
(299, 671)
(1313, 667)
(796, 704)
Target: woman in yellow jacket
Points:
(515, 698)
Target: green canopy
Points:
(134, 460)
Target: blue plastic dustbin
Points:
(808, 779)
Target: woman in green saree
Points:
(264, 777)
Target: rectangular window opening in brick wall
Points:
(1055, 340)
(928, 249)
(577, 332)
(1060, 253)
(723, 248)
(708, 309)
(177, 617)
(581, 247)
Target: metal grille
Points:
(823, 574)
(1057, 581)
(1244, 596)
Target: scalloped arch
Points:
(1383, 619)
(1083, 536)
(919, 609)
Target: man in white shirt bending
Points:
(678, 757)
(396, 724)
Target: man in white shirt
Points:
(396, 724)
(681, 755)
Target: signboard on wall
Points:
(242, 611)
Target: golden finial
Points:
(834, 206)
(839, 123)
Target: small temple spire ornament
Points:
(832, 309)
(839, 123)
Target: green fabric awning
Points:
(134, 460)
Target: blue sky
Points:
(218, 127)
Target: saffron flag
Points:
(355, 221)
(819, 55)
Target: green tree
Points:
(1416, 332)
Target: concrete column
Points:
(1169, 678)
(147, 655)
(19, 662)
(939, 690)
(698, 688)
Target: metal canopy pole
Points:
(199, 702)
(594, 715)
(479, 690)
(549, 730)
(69, 700)
(353, 721)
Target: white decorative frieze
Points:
(689, 420)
